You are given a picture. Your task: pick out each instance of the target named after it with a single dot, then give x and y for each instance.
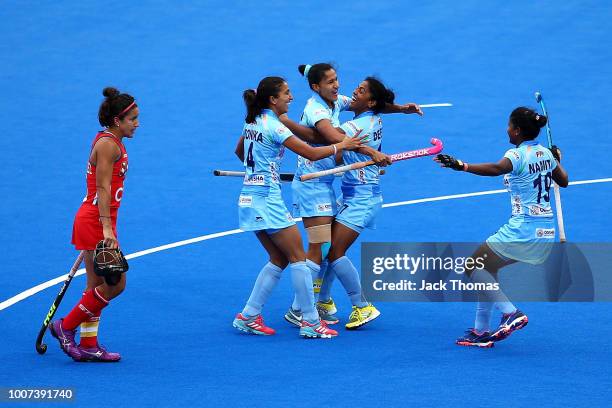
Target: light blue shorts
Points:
(358, 206)
(524, 240)
(313, 199)
(263, 210)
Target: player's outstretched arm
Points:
(503, 166)
(305, 133)
(406, 108)
(298, 146)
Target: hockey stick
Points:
(283, 176)
(435, 105)
(558, 208)
(411, 154)
(41, 348)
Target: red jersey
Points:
(120, 169)
(87, 228)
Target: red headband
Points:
(130, 106)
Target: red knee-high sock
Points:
(90, 304)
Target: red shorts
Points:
(87, 228)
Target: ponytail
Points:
(257, 101)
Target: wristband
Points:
(335, 149)
(465, 166)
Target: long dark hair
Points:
(380, 94)
(114, 105)
(529, 121)
(257, 101)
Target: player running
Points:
(261, 207)
(315, 200)
(529, 170)
(96, 220)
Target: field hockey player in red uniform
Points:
(96, 221)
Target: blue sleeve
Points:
(314, 112)
(344, 102)
(279, 132)
(514, 155)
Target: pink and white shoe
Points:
(254, 325)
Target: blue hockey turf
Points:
(187, 64)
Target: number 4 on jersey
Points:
(250, 162)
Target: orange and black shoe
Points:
(510, 323)
(473, 338)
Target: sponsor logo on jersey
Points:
(515, 154)
(289, 217)
(282, 130)
(324, 207)
(537, 211)
(258, 219)
(539, 153)
(517, 205)
(254, 180)
(245, 201)
(545, 233)
(321, 112)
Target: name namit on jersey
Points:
(540, 166)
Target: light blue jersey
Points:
(530, 232)
(264, 149)
(530, 180)
(261, 206)
(317, 109)
(371, 125)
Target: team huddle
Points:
(332, 223)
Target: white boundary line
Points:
(38, 288)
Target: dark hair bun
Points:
(110, 92)
(301, 69)
(541, 120)
(389, 96)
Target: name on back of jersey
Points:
(541, 166)
(252, 134)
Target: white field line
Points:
(32, 291)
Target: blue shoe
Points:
(509, 323)
(473, 338)
(327, 311)
(294, 317)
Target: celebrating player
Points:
(96, 220)
(361, 198)
(529, 170)
(261, 207)
(315, 200)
